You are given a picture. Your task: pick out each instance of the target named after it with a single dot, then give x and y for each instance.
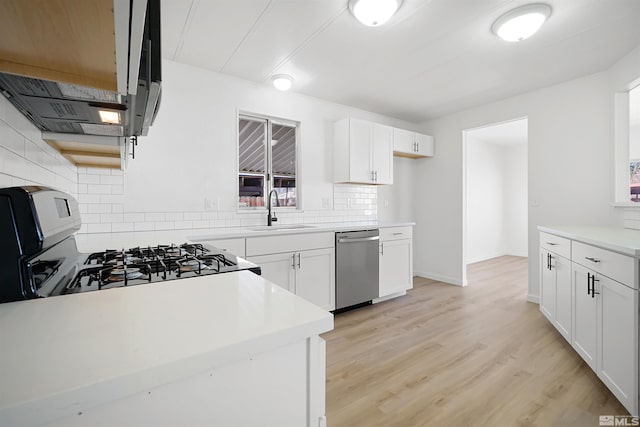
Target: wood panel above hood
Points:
(71, 41)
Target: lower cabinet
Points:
(395, 267)
(555, 290)
(596, 313)
(395, 260)
(309, 274)
(605, 331)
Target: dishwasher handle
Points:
(357, 239)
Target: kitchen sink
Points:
(279, 227)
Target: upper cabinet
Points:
(362, 152)
(412, 144)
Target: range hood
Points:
(125, 108)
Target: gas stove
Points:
(40, 256)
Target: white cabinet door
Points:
(424, 145)
(562, 267)
(382, 153)
(395, 267)
(617, 347)
(315, 277)
(584, 322)
(547, 286)
(403, 140)
(277, 268)
(360, 156)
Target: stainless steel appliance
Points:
(357, 267)
(39, 255)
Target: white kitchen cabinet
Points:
(555, 290)
(303, 264)
(278, 268)
(603, 308)
(412, 144)
(362, 152)
(315, 277)
(396, 260)
(233, 246)
(584, 339)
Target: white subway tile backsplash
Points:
(111, 217)
(183, 225)
(122, 227)
(133, 217)
(98, 189)
(174, 216)
(108, 179)
(97, 171)
(88, 179)
(144, 226)
(157, 216)
(351, 203)
(99, 208)
(98, 228)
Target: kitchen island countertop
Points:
(621, 240)
(126, 340)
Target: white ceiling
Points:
(432, 58)
(505, 134)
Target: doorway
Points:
(495, 192)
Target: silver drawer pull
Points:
(592, 259)
(397, 234)
(552, 244)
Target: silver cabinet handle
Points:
(293, 261)
(382, 245)
(357, 239)
(397, 234)
(592, 259)
(299, 260)
(552, 244)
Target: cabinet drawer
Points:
(616, 266)
(395, 233)
(555, 244)
(289, 243)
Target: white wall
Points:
(485, 200)
(570, 162)
(496, 176)
(516, 200)
(395, 201)
(25, 159)
(191, 155)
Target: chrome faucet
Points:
(273, 218)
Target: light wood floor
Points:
(450, 356)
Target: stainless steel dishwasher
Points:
(357, 266)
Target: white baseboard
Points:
(444, 279)
(533, 298)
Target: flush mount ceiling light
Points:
(522, 22)
(373, 13)
(282, 81)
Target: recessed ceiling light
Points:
(112, 117)
(282, 81)
(374, 13)
(522, 22)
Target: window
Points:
(267, 160)
(634, 144)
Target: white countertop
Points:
(619, 240)
(130, 339)
(100, 241)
